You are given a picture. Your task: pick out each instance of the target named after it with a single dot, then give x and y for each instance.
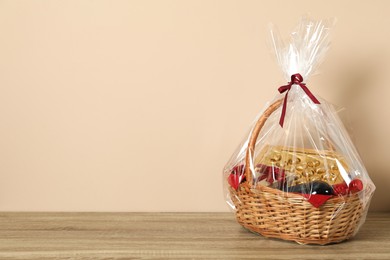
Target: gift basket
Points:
(297, 175)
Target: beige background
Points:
(137, 105)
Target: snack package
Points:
(297, 175)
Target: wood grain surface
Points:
(168, 236)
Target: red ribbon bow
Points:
(296, 79)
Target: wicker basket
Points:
(277, 214)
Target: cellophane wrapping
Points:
(311, 157)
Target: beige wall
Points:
(137, 105)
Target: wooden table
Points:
(168, 236)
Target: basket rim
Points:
(264, 189)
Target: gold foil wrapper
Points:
(304, 165)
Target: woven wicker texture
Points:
(274, 213)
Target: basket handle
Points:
(255, 133)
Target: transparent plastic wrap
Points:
(297, 175)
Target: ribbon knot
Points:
(296, 79)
